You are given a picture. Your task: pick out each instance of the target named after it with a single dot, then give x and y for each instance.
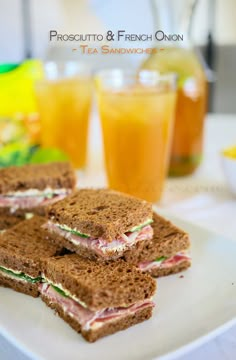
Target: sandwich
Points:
(97, 298)
(166, 253)
(100, 224)
(23, 249)
(29, 188)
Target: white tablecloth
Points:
(202, 199)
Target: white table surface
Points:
(202, 199)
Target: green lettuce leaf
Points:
(72, 231)
(21, 276)
(139, 227)
(57, 289)
(162, 258)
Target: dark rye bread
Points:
(158, 272)
(21, 213)
(25, 246)
(100, 213)
(108, 328)
(99, 286)
(37, 176)
(167, 240)
(19, 286)
(112, 327)
(7, 220)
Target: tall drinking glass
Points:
(137, 114)
(64, 102)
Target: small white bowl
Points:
(229, 166)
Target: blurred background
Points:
(25, 26)
(45, 108)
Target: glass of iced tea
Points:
(64, 101)
(137, 117)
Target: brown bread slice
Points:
(121, 324)
(37, 176)
(7, 220)
(21, 213)
(100, 213)
(19, 286)
(158, 272)
(24, 247)
(108, 328)
(110, 284)
(167, 240)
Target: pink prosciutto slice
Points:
(86, 317)
(100, 246)
(28, 202)
(165, 264)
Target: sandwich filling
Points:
(164, 262)
(18, 275)
(32, 198)
(100, 246)
(87, 318)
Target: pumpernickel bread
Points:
(101, 213)
(99, 285)
(7, 220)
(108, 328)
(167, 241)
(24, 287)
(23, 248)
(158, 272)
(37, 176)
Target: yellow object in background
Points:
(17, 88)
(230, 152)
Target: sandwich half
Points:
(97, 299)
(166, 253)
(30, 188)
(23, 249)
(100, 224)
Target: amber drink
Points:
(64, 102)
(137, 112)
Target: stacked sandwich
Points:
(107, 229)
(29, 189)
(91, 257)
(94, 298)
(102, 292)
(104, 225)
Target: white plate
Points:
(189, 311)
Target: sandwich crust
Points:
(100, 213)
(25, 246)
(167, 241)
(37, 176)
(19, 286)
(108, 328)
(110, 284)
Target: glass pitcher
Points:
(172, 19)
